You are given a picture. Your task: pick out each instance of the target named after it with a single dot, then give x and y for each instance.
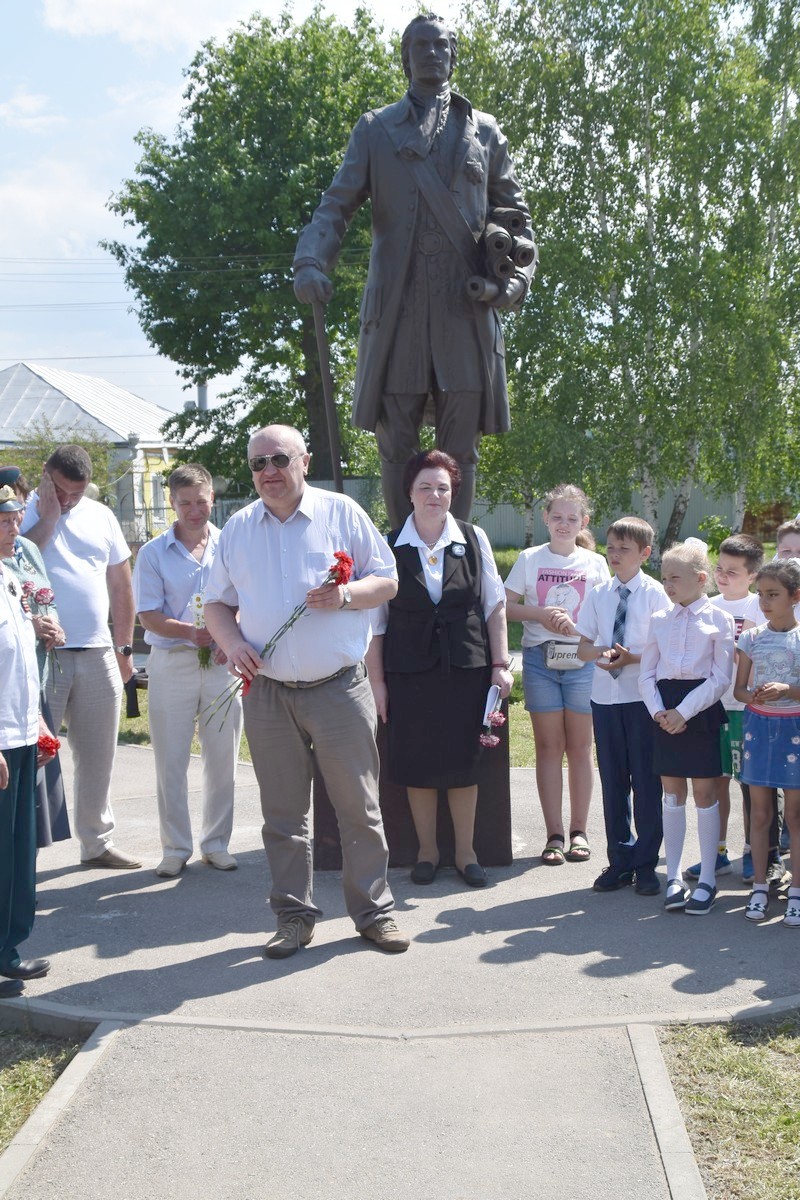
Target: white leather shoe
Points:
(170, 866)
(221, 860)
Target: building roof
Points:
(31, 393)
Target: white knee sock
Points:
(674, 816)
(708, 833)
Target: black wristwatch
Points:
(125, 651)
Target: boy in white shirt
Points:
(613, 624)
(740, 557)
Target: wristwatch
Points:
(347, 597)
(125, 651)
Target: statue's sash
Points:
(440, 201)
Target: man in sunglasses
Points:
(308, 698)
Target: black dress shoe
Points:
(10, 988)
(474, 875)
(424, 872)
(27, 968)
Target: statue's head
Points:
(427, 18)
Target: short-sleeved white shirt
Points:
(543, 578)
(165, 578)
(264, 567)
(596, 621)
(87, 540)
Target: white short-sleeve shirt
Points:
(596, 621)
(543, 578)
(87, 540)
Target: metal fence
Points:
(504, 525)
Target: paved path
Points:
(509, 1051)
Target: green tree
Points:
(217, 212)
(655, 349)
(37, 442)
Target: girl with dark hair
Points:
(768, 683)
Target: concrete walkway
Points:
(511, 1051)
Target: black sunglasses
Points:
(278, 460)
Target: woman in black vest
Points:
(434, 656)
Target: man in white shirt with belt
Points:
(88, 564)
(310, 699)
(185, 674)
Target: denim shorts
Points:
(771, 755)
(553, 691)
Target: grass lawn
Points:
(739, 1092)
(29, 1066)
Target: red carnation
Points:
(43, 596)
(48, 746)
(342, 569)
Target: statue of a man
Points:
(437, 173)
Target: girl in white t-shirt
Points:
(545, 590)
(771, 755)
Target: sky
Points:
(79, 79)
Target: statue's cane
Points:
(327, 393)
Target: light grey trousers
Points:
(178, 692)
(86, 694)
(287, 729)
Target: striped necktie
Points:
(618, 633)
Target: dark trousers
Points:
(17, 853)
(623, 735)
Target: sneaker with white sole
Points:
(757, 905)
(776, 871)
(384, 933)
(721, 867)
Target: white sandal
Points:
(758, 904)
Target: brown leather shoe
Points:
(384, 933)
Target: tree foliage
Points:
(659, 145)
(658, 346)
(37, 441)
(218, 211)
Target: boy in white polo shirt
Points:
(613, 625)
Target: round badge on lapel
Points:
(457, 550)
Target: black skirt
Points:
(435, 723)
(695, 753)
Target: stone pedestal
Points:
(492, 822)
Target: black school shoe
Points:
(647, 882)
(612, 879)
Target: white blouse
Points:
(695, 641)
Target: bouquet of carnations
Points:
(492, 718)
(338, 573)
(42, 597)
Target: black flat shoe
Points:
(474, 875)
(27, 968)
(424, 872)
(10, 988)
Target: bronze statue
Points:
(451, 244)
